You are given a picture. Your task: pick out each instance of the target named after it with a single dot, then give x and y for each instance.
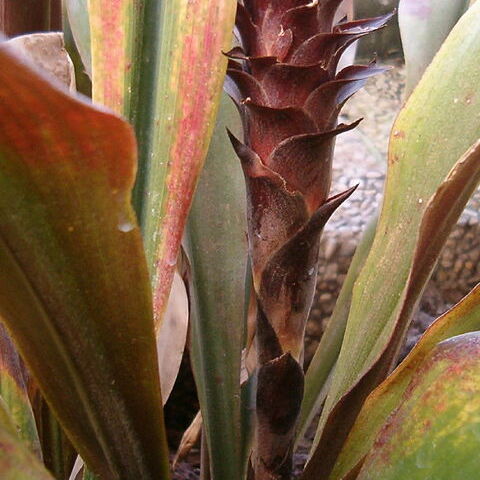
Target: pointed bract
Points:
(283, 79)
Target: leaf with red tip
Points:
(69, 254)
(170, 95)
(442, 211)
(180, 111)
(114, 30)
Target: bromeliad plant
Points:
(289, 94)
(76, 276)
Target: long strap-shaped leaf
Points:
(79, 26)
(437, 125)
(161, 65)
(74, 288)
(218, 254)
(57, 451)
(190, 79)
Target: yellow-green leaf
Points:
(435, 128)
(160, 64)
(463, 318)
(435, 432)
(181, 111)
(218, 253)
(115, 30)
(323, 362)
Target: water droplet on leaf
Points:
(126, 226)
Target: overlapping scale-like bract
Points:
(283, 77)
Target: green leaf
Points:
(438, 123)
(463, 318)
(218, 254)
(87, 475)
(175, 122)
(424, 25)
(13, 391)
(326, 355)
(435, 432)
(74, 289)
(79, 24)
(76, 33)
(161, 65)
(17, 462)
(441, 213)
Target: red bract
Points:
(283, 78)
